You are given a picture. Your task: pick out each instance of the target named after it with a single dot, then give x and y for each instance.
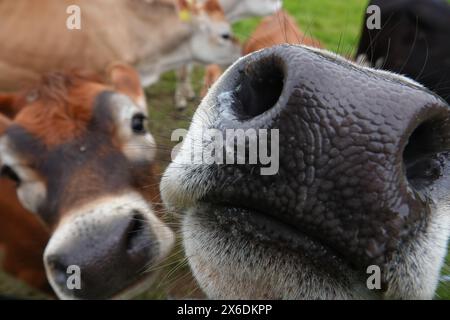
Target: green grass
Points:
(336, 23)
(443, 291)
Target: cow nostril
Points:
(135, 233)
(421, 156)
(58, 269)
(259, 88)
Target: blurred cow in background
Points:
(154, 36)
(414, 40)
(279, 28)
(234, 10)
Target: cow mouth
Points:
(265, 229)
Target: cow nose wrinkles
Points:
(355, 148)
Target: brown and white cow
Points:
(154, 36)
(234, 10)
(279, 28)
(77, 150)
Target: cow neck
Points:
(170, 60)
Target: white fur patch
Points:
(32, 190)
(136, 147)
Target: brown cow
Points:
(154, 36)
(78, 153)
(276, 29)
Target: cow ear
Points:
(126, 80)
(187, 8)
(185, 5)
(9, 104)
(213, 6)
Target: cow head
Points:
(78, 150)
(363, 181)
(212, 40)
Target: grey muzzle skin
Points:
(110, 256)
(363, 157)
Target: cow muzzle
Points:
(363, 174)
(105, 248)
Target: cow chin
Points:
(105, 248)
(233, 257)
(236, 260)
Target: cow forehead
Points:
(54, 124)
(216, 16)
(93, 160)
(102, 132)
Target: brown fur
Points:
(62, 110)
(278, 29)
(126, 80)
(23, 238)
(214, 9)
(22, 235)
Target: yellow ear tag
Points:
(185, 15)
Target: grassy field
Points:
(336, 23)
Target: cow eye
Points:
(138, 123)
(226, 36)
(9, 173)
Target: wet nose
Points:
(98, 256)
(350, 143)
